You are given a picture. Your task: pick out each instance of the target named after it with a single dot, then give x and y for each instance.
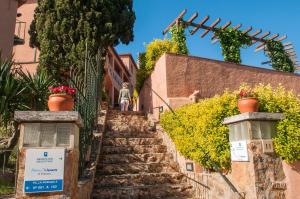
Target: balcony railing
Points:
(20, 32)
(117, 79)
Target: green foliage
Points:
(287, 141)
(178, 39)
(154, 51)
(231, 41)
(61, 29)
(11, 91)
(36, 89)
(156, 48)
(6, 187)
(278, 56)
(199, 134)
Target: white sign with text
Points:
(44, 170)
(239, 151)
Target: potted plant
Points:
(247, 101)
(61, 98)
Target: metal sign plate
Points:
(44, 170)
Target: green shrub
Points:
(199, 134)
(287, 141)
(155, 49)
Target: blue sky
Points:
(277, 16)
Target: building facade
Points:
(118, 69)
(15, 41)
(8, 10)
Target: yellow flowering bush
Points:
(199, 134)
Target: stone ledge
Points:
(262, 116)
(48, 116)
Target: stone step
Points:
(136, 158)
(139, 179)
(131, 141)
(119, 169)
(166, 191)
(130, 134)
(137, 149)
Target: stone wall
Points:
(205, 184)
(176, 77)
(185, 74)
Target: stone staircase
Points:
(134, 163)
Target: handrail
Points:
(216, 168)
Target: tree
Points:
(61, 29)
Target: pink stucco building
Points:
(24, 55)
(118, 69)
(14, 39)
(8, 10)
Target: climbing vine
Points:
(156, 48)
(231, 41)
(178, 39)
(278, 56)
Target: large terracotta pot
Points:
(60, 102)
(248, 105)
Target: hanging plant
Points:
(278, 57)
(231, 41)
(178, 39)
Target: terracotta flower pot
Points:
(248, 105)
(60, 102)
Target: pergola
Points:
(256, 36)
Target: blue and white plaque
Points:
(44, 170)
(239, 151)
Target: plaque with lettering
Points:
(31, 135)
(63, 134)
(48, 135)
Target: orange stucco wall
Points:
(24, 54)
(178, 76)
(8, 10)
(148, 100)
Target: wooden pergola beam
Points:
(281, 38)
(193, 17)
(270, 38)
(287, 44)
(199, 25)
(179, 17)
(237, 26)
(247, 30)
(256, 33)
(223, 27)
(211, 27)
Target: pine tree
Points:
(62, 28)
